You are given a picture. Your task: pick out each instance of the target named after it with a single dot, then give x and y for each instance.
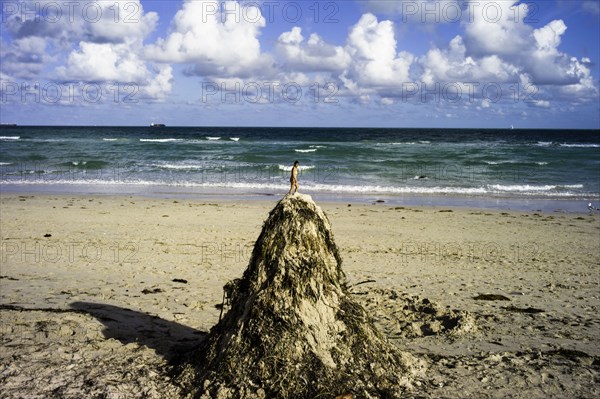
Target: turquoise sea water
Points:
(484, 164)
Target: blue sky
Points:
(369, 63)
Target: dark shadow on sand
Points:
(167, 338)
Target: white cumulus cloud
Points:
(89, 41)
(498, 46)
(312, 54)
(216, 38)
(375, 61)
(108, 62)
(496, 27)
(454, 65)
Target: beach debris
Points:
(293, 319)
(230, 291)
(363, 282)
(146, 291)
(47, 235)
(490, 297)
(522, 310)
(179, 280)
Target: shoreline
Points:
(566, 205)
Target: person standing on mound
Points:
(294, 178)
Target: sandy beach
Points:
(98, 293)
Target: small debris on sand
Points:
(152, 290)
(490, 297)
(522, 310)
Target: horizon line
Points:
(13, 125)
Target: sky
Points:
(367, 63)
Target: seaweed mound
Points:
(293, 329)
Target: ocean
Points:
(364, 164)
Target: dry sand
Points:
(98, 293)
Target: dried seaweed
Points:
(293, 329)
(490, 297)
(522, 310)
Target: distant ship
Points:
(8, 125)
(157, 125)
